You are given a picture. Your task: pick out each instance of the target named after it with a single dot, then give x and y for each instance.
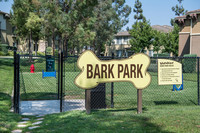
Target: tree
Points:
(34, 25)
(156, 40)
(138, 11)
(89, 22)
(142, 36)
(19, 16)
(64, 18)
(111, 16)
(171, 41)
(179, 10)
(53, 25)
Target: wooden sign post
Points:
(139, 101)
(95, 71)
(87, 101)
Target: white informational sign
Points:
(169, 72)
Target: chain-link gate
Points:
(37, 84)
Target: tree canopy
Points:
(142, 36)
(73, 24)
(138, 11)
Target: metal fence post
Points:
(18, 83)
(61, 81)
(198, 80)
(58, 76)
(15, 84)
(112, 87)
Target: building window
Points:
(151, 53)
(119, 40)
(145, 51)
(126, 39)
(119, 53)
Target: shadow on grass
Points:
(6, 62)
(99, 121)
(195, 103)
(8, 120)
(165, 102)
(119, 110)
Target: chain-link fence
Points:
(117, 95)
(125, 94)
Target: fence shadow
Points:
(165, 102)
(103, 121)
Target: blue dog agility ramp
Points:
(48, 74)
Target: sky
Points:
(157, 11)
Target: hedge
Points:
(189, 64)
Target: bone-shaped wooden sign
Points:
(95, 71)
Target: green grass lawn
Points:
(8, 120)
(155, 119)
(125, 94)
(164, 111)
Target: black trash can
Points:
(98, 97)
(50, 63)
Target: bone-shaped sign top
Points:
(95, 71)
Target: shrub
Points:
(189, 64)
(161, 55)
(49, 51)
(56, 52)
(10, 53)
(3, 49)
(40, 53)
(2, 53)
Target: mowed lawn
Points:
(125, 94)
(163, 110)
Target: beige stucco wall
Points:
(6, 35)
(24, 47)
(42, 46)
(196, 25)
(195, 48)
(113, 48)
(184, 44)
(186, 26)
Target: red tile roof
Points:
(188, 13)
(6, 14)
(3, 12)
(194, 11)
(122, 33)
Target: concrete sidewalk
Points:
(43, 107)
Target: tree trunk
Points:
(99, 50)
(30, 47)
(94, 46)
(36, 47)
(53, 45)
(78, 49)
(66, 46)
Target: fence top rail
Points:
(107, 57)
(178, 57)
(36, 56)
